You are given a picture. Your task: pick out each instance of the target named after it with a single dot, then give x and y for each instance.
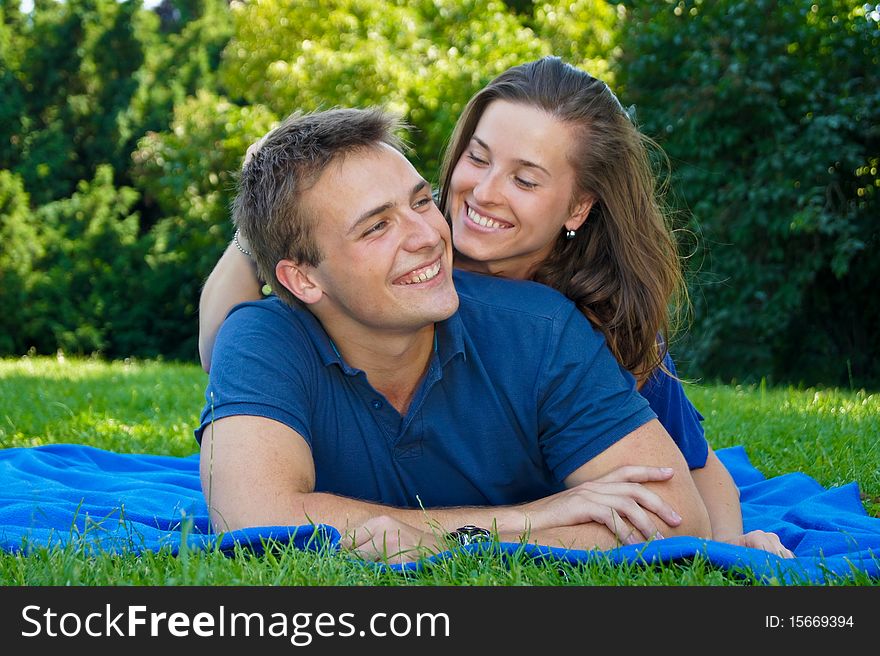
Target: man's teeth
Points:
(425, 275)
(482, 220)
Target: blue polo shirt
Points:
(519, 393)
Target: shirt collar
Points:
(448, 340)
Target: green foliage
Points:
(768, 109)
(20, 249)
(77, 66)
(583, 32)
(90, 271)
(188, 173)
(12, 106)
(770, 113)
(177, 66)
(420, 59)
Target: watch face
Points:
(470, 534)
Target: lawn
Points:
(152, 407)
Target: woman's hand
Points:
(761, 540)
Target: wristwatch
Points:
(469, 534)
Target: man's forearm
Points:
(585, 537)
(346, 514)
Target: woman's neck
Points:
(514, 270)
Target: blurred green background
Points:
(121, 127)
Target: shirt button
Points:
(377, 404)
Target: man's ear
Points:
(299, 281)
(579, 213)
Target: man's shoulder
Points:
(502, 294)
(267, 321)
(271, 305)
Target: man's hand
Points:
(617, 500)
(389, 540)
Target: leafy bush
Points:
(21, 248)
(189, 173)
(422, 59)
(86, 283)
(770, 112)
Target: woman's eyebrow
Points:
(521, 162)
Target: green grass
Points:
(152, 407)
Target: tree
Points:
(584, 33)
(78, 64)
(770, 113)
(422, 59)
(91, 272)
(189, 172)
(21, 247)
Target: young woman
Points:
(547, 178)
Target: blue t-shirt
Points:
(519, 393)
(677, 414)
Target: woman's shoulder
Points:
(505, 294)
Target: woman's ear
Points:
(579, 213)
(299, 281)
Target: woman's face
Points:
(511, 191)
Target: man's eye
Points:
(376, 227)
(423, 202)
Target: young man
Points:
(384, 395)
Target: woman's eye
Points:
(475, 159)
(526, 184)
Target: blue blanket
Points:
(94, 499)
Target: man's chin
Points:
(447, 309)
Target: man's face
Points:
(387, 249)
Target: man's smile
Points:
(420, 275)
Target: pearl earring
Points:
(569, 234)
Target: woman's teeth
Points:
(483, 221)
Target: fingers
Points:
(387, 540)
(645, 498)
(621, 515)
(636, 474)
(767, 542)
(254, 147)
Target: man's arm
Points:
(259, 472)
(647, 445)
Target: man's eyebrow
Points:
(384, 207)
(521, 162)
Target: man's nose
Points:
(421, 232)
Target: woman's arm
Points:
(232, 281)
(666, 396)
(717, 488)
(721, 497)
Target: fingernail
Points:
(676, 517)
(667, 470)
